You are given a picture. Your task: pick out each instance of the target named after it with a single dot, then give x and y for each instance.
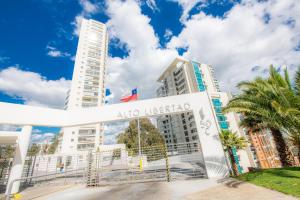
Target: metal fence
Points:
(186, 161)
(155, 163)
(55, 169)
(116, 166)
(120, 165)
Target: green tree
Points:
(53, 146)
(232, 141)
(152, 142)
(272, 104)
(7, 151)
(33, 150)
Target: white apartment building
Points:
(87, 88)
(182, 77)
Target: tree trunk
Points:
(284, 153)
(298, 155)
(2, 168)
(233, 164)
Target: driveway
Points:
(187, 190)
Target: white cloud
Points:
(243, 39)
(168, 34)
(77, 24)
(146, 59)
(234, 44)
(152, 4)
(4, 127)
(187, 6)
(33, 88)
(42, 138)
(88, 9)
(111, 130)
(54, 52)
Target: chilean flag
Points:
(132, 97)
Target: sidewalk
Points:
(237, 190)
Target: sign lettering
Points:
(157, 110)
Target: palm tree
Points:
(271, 104)
(294, 135)
(297, 82)
(232, 141)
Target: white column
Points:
(207, 127)
(19, 158)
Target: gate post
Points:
(89, 169)
(208, 133)
(167, 163)
(19, 159)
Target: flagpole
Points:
(139, 132)
(139, 135)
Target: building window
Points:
(69, 161)
(185, 133)
(198, 76)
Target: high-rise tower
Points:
(87, 88)
(183, 77)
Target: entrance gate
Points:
(117, 166)
(156, 163)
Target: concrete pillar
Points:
(208, 132)
(19, 158)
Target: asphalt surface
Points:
(136, 191)
(204, 189)
(145, 191)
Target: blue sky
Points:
(38, 40)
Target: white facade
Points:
(183, 77)
(87, 88)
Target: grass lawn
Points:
(285, 180)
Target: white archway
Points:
(198, 103)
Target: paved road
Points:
(177, 190)
(145, 191)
